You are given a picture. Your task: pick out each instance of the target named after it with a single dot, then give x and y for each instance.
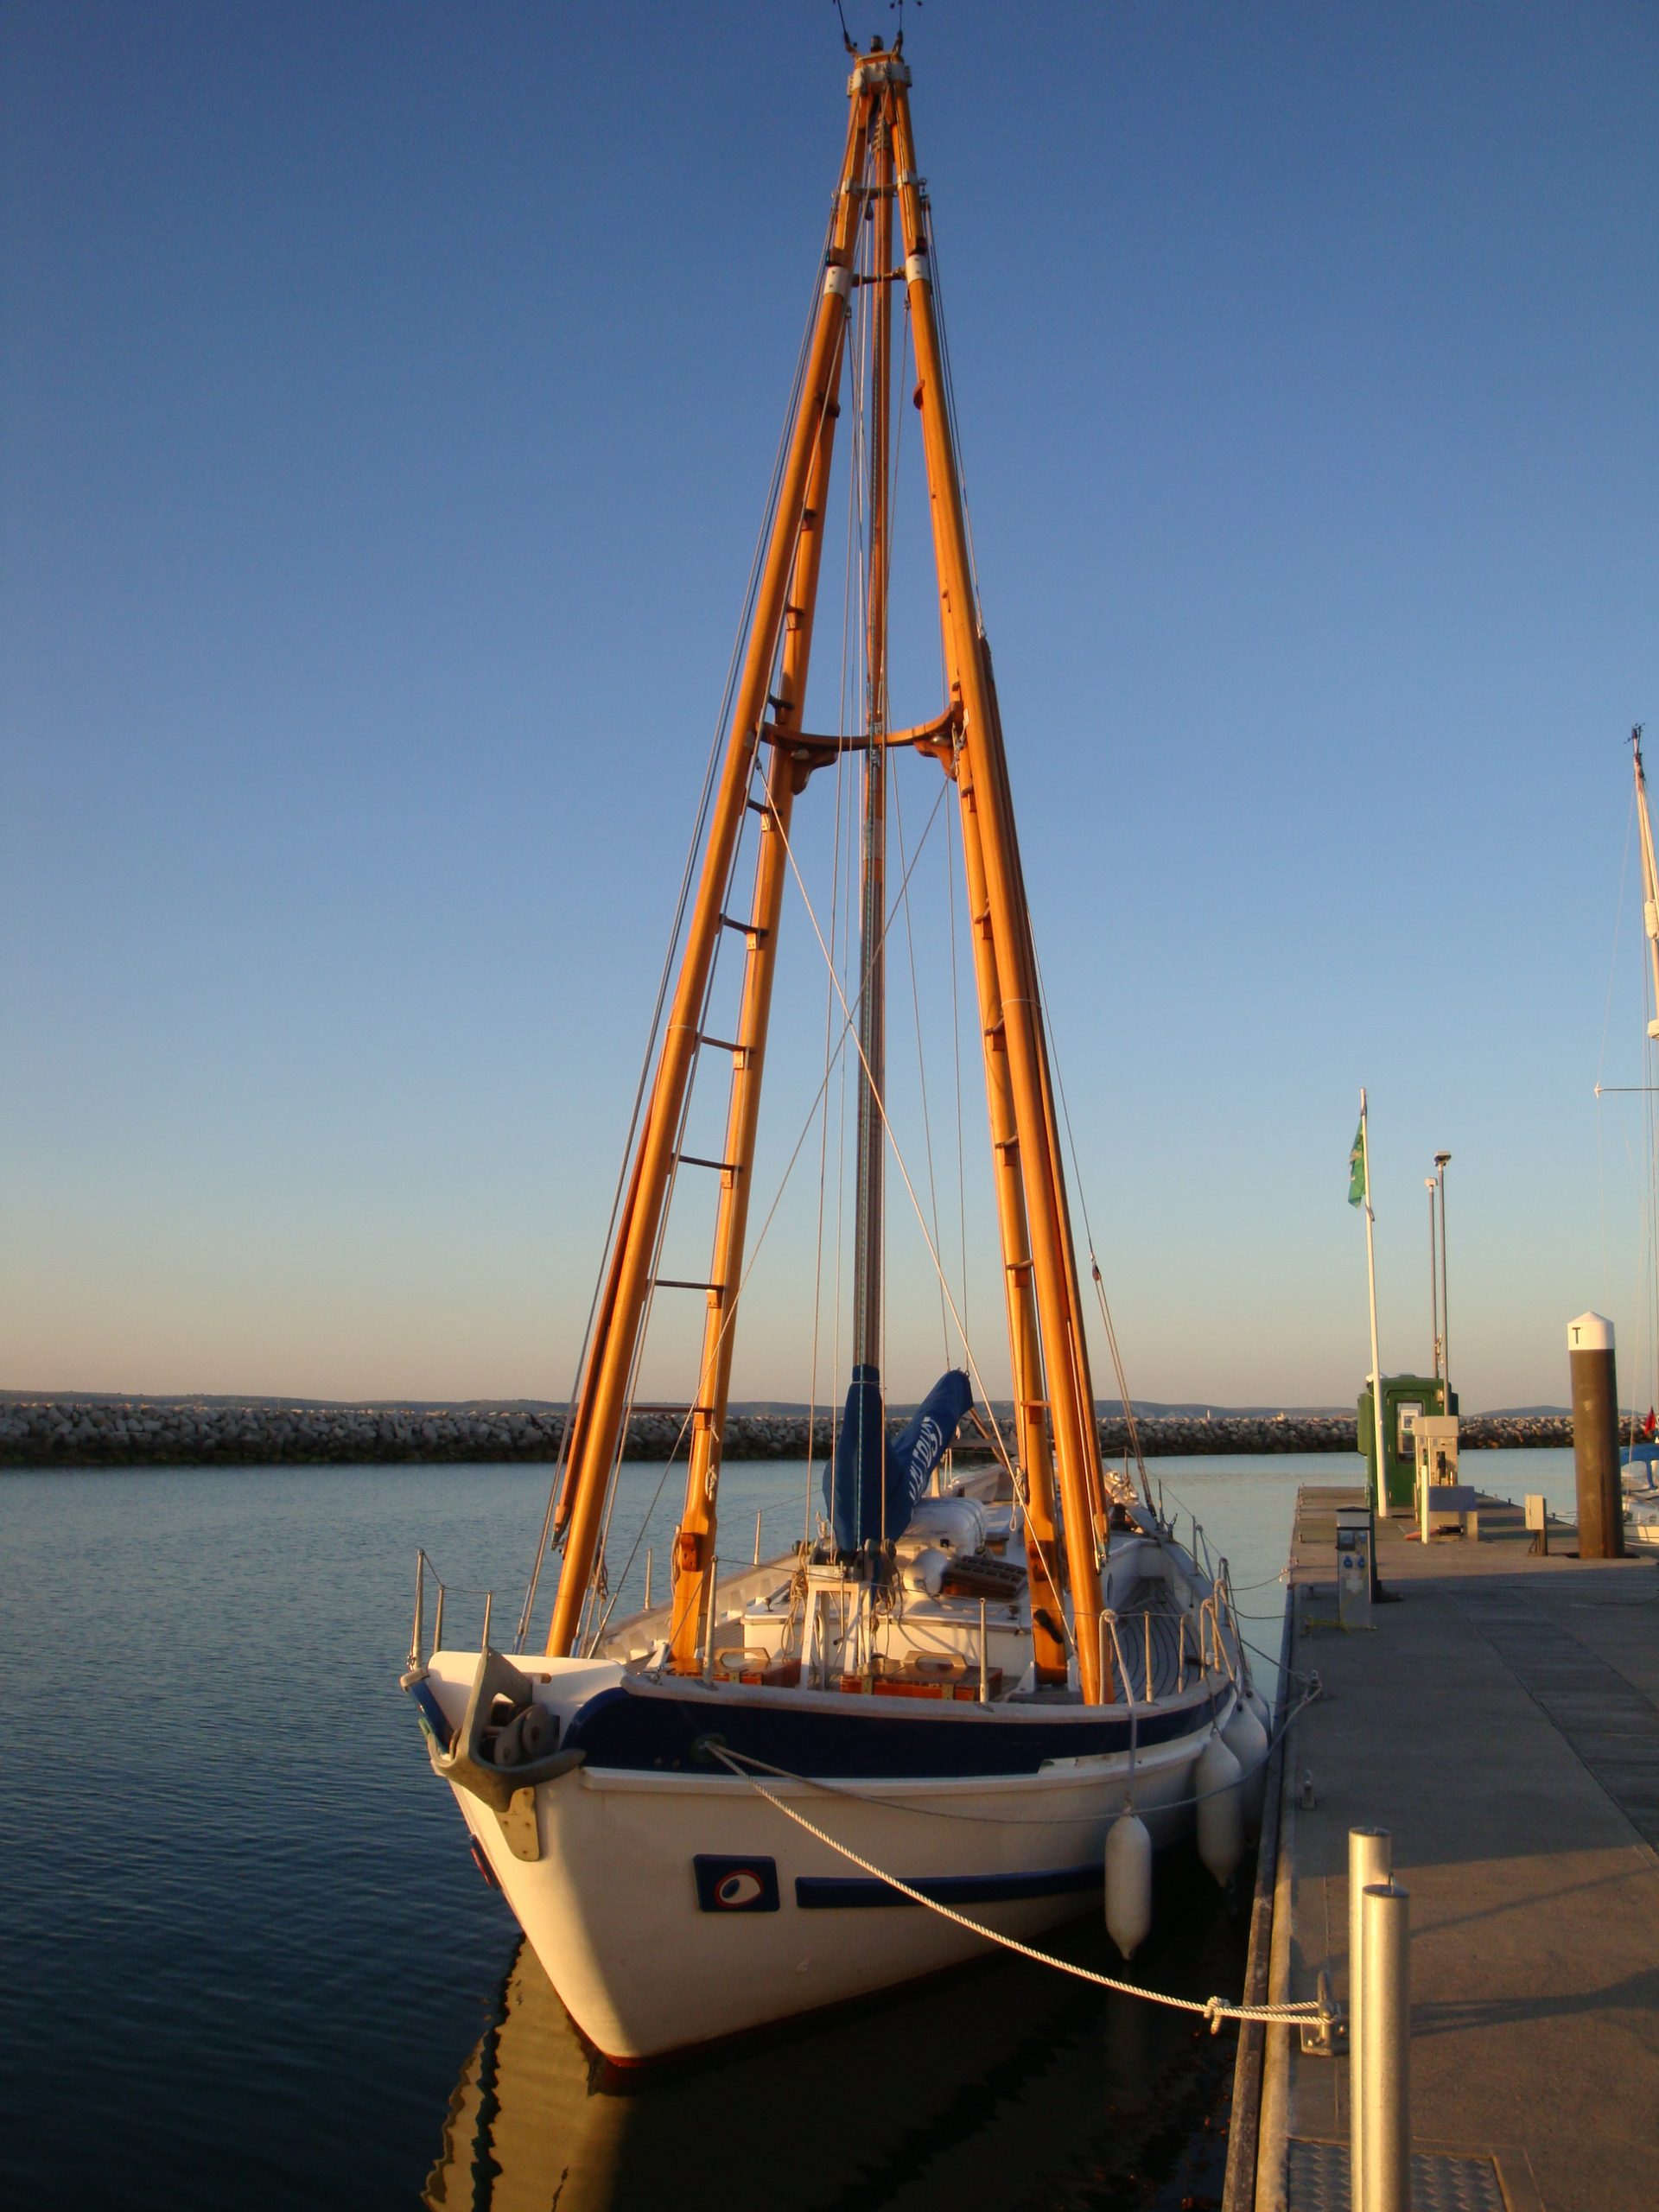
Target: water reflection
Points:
(1001, 2083)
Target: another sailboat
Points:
(697, 1812)
(1640, 1454)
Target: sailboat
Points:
(862, 1760)
(1640, 1454)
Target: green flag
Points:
(1356, 1191)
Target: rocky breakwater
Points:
(107, 1433)
(1164, 1436)
(1514, 1432)
(148, 1432)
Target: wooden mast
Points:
(694, 1540)
(1048, 1349)
(982, 779)
(615, 1343)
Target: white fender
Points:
(1128, 1882)
(1220, 1816)
(1247, 1739)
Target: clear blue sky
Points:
(389, 397)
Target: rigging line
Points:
(613, 1477)
(824, 1161)
(744, 619)
(1213, 2009)
(956, 1041)
(738, 851)
(1601, 1056)
(921, 1067)
(1130, 1422)
(598, 1572)
(820, 1095)
(1619, 921)
(899, 1157)
(942, 322)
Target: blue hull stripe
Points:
(618, 1728)
(830, 1893)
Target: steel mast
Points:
(870, 1208)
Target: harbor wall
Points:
(140, 1432)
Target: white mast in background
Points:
(1359, 1194)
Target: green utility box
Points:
(1405, 1399)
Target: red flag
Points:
(1651, 1424)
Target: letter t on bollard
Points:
(1370, 1859)
(1385, 2086)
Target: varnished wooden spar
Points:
(611, 1354)
(1045, 1312)
(1059, 1312)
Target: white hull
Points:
(612, 1904)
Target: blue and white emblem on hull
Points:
(736, 1885)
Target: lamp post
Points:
(1431, 1187)
(1442, 1161)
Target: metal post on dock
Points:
(757, 1535)
(1384, 2087)
(647, 1603)
(1371, 1860)
(1595, 1437)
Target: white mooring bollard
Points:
(1385, 2087)
(1370, 1860)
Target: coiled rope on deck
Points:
(1213, 2009)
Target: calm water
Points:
(248, 1960)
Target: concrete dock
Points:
(1502, 1720)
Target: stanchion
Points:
(1385, 2084)
(1369, 1860)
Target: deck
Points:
(1502, 1719)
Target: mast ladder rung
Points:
(677, 1283)
(721, 1044)
(753, 931)
(695, 1159)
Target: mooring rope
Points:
(1213, 2009)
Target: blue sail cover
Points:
(871, 1486)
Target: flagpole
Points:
(1382, 1499)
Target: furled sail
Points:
(872, 1483)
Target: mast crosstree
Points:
(1055, 1426)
